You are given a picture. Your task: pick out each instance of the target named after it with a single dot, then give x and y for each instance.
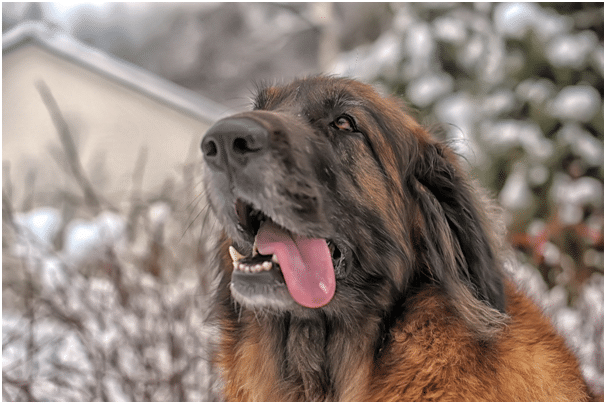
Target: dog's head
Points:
(336, 201)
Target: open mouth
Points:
(282, 261)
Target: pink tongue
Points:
(305, 262)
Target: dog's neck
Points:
(316, 359)
(324, 358)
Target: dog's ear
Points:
(459, 251)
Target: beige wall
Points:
(110, 122)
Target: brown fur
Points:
(423, 310)
(432, 358)
(438, 361)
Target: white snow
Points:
(458, 110)
(536, 91)
(499, 102)
(514, 19)
(87, 241)
(576, 103)
(508, 133)
(573, 194)
(582, 143)
(516, 194)
(429, 88)
(36, 230)
(571, 50)
(449, 29)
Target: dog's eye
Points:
(344, 123)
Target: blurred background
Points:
(106, 233)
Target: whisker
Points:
(196, 199)
(192, 222)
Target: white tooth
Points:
(267, 265)
(242, 267)
(255, 251)
(274, 258)
(235, 255)
(258, 268)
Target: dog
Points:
(359, 262)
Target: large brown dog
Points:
(359, 262)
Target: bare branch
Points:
(69, 146)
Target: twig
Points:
(136, 192)
(23, 386)
(69, 146)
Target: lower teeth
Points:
(237, 259)
(253, 268)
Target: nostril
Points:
(209, 148)
(240, 145)
(244, 145)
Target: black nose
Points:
(233, 142)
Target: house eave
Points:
(127, 74)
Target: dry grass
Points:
(122, 318)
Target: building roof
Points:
(127, 74)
